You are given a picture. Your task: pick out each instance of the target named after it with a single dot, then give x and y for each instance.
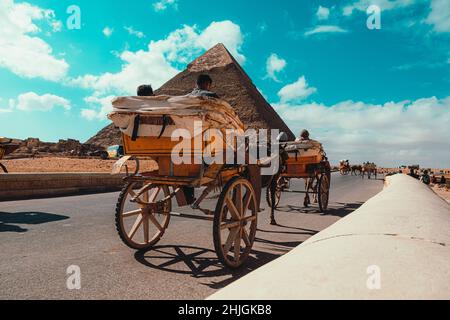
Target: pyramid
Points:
(230, 82)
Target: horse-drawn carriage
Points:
(6, 147)
(144, 206)
(151, 129)
(344, 167)
(301, 160)
(370, 169)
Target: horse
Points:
(356, 170)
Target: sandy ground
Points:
(442, 191)
(55, 164)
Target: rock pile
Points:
(70, 147)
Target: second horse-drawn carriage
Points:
(344, 167)
(301, 160)
(370, 169)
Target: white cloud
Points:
(162, 59)
(21, 51)
(324, 29)
(226, 32)
(296, 91)
(439, 16)
(274, 65)
(160, 62)
(390, 134)
(107, 31)
(164, 4)
(31, 101)
(100, 108)
(323, 13)
(133, 32)
(385, 5)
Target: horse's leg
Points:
(314, 189)
(306, 201)
(273, 190)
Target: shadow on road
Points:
(300, 230)
(344, 209)
(9, 222)
(297, 209)
(203, 263)
(341, 210)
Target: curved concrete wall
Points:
(396, 246)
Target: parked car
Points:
(98, 153)
(115, 151)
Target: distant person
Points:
(433, 179)
(443, 180)
(145, 90)
(425, 178)
(412, 173)
(203, 89)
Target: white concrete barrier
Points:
(396, 246)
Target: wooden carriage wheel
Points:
(235, 221)
(323, 192)
(138, 225)
(279, 189)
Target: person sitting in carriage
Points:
(304, 139)
(203, 89)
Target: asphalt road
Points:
(40, 239)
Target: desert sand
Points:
(60, 164)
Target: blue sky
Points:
(380, 95)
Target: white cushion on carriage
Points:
(304, 145)
(183, 110)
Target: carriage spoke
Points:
(230, 239)
(136, 226)
(237, 245)
(146, 229)
(248, 198)
(246, 238)
(131, 213)
(155, 222)
(250, 218)
(232, 209)
(145, 196)
(154, 194)
(239, 200)
(230, 225)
